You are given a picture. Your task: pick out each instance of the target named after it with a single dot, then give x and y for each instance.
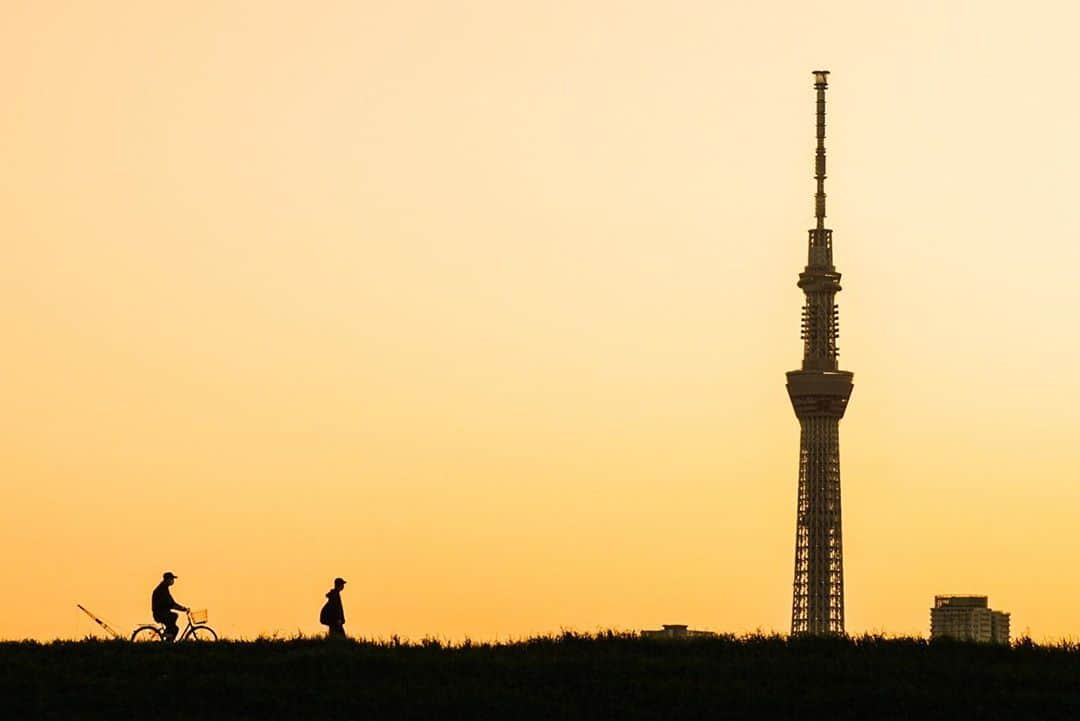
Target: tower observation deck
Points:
(819, 393)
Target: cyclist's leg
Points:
(171, 627)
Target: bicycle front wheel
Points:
(146, 633)
(202, 633)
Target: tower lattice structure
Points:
(819, 393)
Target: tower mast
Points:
(819, 394)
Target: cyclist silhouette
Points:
(162, 604)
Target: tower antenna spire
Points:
(821, 84)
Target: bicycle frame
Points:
(190, 626)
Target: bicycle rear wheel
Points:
(202, 633)
(146, 633)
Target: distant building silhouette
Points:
(968, 618)
(676, 630)
(819, 393)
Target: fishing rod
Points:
(112, 631)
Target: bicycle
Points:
(196, 630)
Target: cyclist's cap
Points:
(169, 574)
(339, 581)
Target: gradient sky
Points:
(486, 307)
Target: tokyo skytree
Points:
(819, 393)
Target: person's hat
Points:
(169, 574)
(339, 581)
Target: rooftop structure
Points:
(676, 631)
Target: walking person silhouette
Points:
(333, 614)
(162, 604)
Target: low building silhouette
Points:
(968, 618)
(676, 631)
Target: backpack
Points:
(324, 614)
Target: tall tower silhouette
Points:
(819, 393)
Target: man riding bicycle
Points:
(162, 604)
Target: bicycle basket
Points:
(199, 616)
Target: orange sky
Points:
(486, 307)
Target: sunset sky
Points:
(486, 307)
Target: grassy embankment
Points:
(567, 677)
